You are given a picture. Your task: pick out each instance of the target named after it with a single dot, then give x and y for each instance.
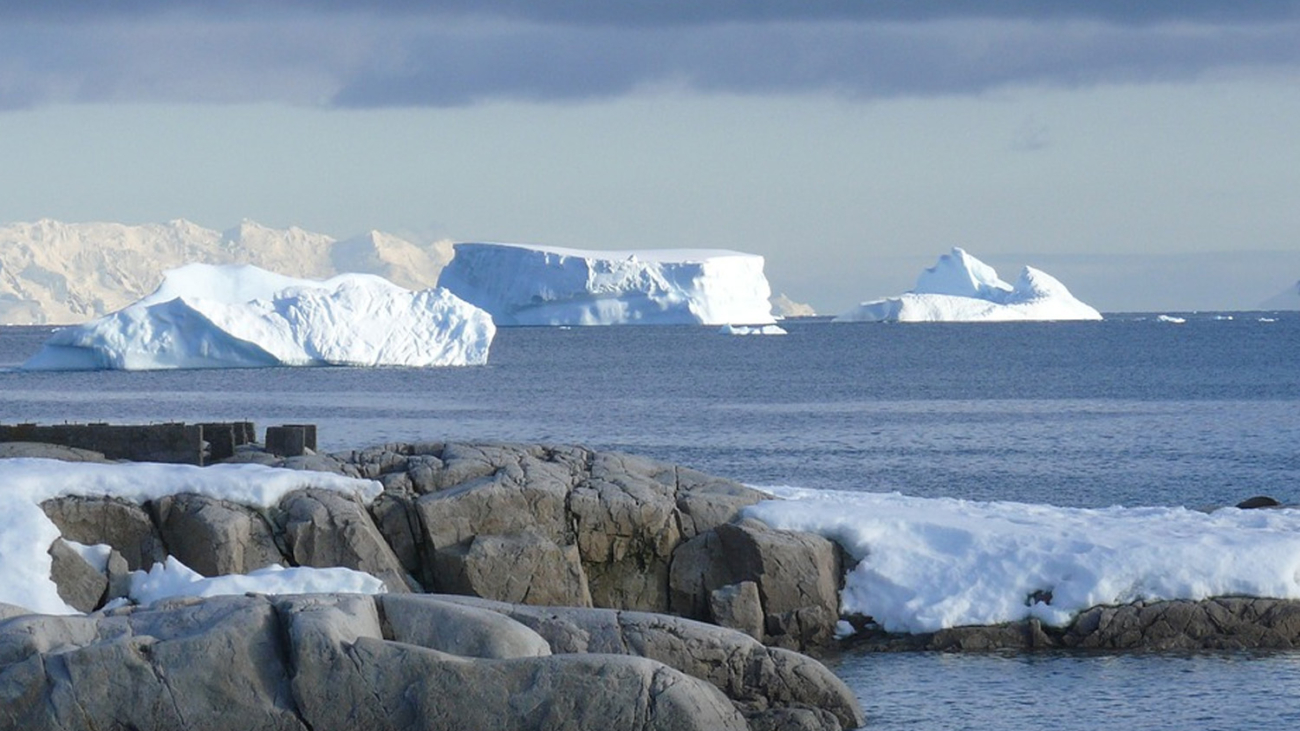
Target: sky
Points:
(1146, 154)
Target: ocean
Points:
(1133, 410)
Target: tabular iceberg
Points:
(240, 316)
(539, 285)
(961, 288)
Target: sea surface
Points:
(1133, 410)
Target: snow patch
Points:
(926, 564)
(175, 579)
(544, 285)
(961, 288)
(240, 316)
(26, 532)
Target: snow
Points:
(961, 288)
(240, 316)
(173, 579)
(543, 285)
(752, 330)
(925, 564)
(26, 533)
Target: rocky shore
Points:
(580, 575)
(529, 587)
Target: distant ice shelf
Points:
(961, 288)
(542, 285)
(240, 316)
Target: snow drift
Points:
(538, 285)
(240, 316)
(925, 564)
(961, 288)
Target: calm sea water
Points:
(1131, 411)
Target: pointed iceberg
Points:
(240, 316)
(961, 288)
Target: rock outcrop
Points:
(398, 662)
(1223, 623)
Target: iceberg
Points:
(961, 288)
(542, 285)
(240, 316)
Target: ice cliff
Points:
(961, 288)
(538, 285)
(240, 316)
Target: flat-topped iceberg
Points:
(240, 316)
(961, 288)
(541, 285)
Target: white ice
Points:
(540, 285)
(926, 564)
(752, 330)
(233, 316)
(26, 533)
(961, 288)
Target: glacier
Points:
(961, 288)
(542, 285)
(241, 316)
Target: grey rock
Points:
(457, 629)
(706, 502)
(79, 584)
(627, 527)
(755, 677)
(119, 577)
(215, 537)
(797, 575)
(520, 495)
(208, 664)
(124, 526)
(524, 568)
(323, 528)
(316, 463)
(398, 522)
(738, 607)
(41, 450)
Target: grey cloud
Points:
(678, 12)
(374, 60)
(854, 60)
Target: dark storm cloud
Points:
(455, 52)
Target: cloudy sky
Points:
(1145, 153)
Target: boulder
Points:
(323, 528)
(124, 526)
(79, 584)
(738, 607)
(524, 568)
(215, 537)
(797, 576)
